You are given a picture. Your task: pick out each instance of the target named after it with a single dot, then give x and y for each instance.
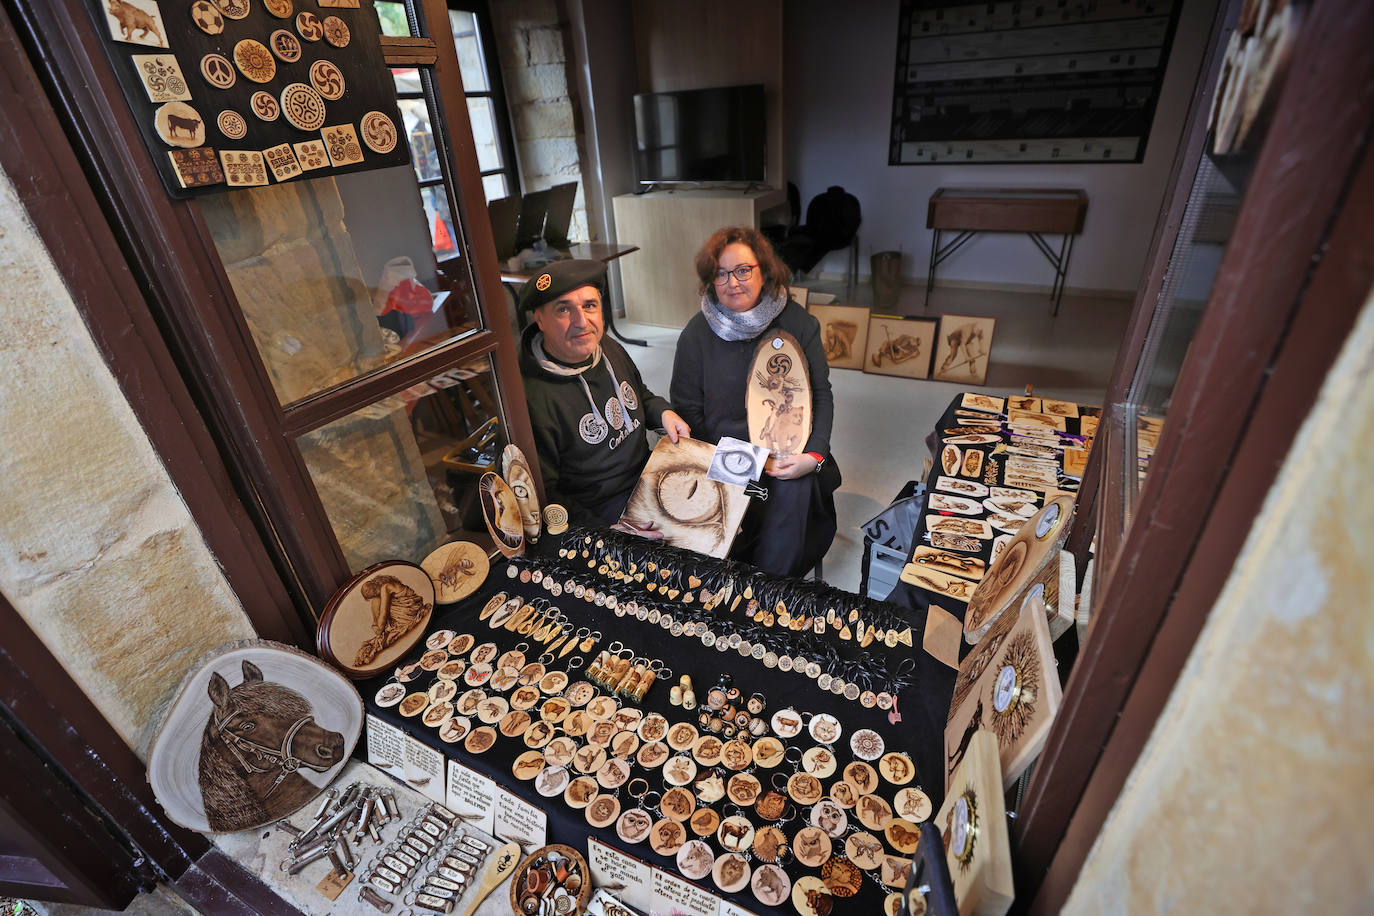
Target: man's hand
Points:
(675, 426)
(792, 467)
(643, 529)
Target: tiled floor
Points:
(881, 422)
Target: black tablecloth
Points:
(923, 706)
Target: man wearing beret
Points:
(588, 405)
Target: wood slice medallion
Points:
(1036, 544)
(501, 510)
(778, 395)
(692, 511)
(1015, 695)
(375, 618)
(457, 569)
(973, 824)
(516, 470)
(257, 730)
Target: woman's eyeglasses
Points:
(741, 273)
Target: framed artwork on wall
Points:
(899, 346)
(962, 352)
(844, 333)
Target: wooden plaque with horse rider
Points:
(257, 730)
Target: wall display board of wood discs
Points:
(233, 93)
(1013, 82)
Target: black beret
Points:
(559, 277)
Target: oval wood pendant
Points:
(501, 511)
(778, 395)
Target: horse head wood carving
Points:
(258, 735)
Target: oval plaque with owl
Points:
(778, 395)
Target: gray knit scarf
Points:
(730, 325)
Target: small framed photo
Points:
(899, 346)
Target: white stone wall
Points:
(98, 553)
(529, 38)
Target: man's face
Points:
(571, 324)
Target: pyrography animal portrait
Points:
(258, 735)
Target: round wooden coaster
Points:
(677, 804)
(874, 812)
(864, 849)
(667, 837)
(455, 729)
(743, 789)
(844, 794)
(414, 704)
(679, 771)
(552, 781)
(480, 740)
(819, 762)
(695, 859)
(737, 754)
(633, 825)
(528, 765)
(308, 26)
(830, 817)
(580, 792)
(682, 736)
(178, 124)
(804, 788)
(896, 768)
(376, 618)
(810, 897)
(206, 18)
(706, 750)
(336, 31)
(603, 810)
(514, 723)
(652, 754)
(704, 821)
(811, 846)
(457, 569)
(770, 885)
(842, 877)
(770, 844)
(731, 872)
(912, 804)
(255, 61)
(768, 752)
(861, 776)
(735, 833)
(232, 124)
(279, 8)
(904, 835)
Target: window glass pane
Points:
(399, 477)
(336, 277)
(407, 80)
(415, 114)
(441, 227)
(471, 63)
(484, 134)
(495, 186)
(393, 17)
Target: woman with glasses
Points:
(744, 295)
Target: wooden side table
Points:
(1034, 211)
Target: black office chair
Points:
(832, 223)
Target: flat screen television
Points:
(700, 135)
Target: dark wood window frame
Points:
(1294, 276)
(496, 92)
(169, 246)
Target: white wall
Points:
(838, 71)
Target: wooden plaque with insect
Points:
(1014, 693)
(778, 395)
(692, 511)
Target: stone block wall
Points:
(534, 66)
(98, 552)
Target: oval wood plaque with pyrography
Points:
(501, 510)
(257, 730)
(778, 395)
(375, 618)
(1035, 544)
(517, 472)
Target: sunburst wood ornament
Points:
(973, 824)
(1008, 686)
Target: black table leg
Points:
(608, 316)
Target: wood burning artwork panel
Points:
(963, 350)
(691, 510)
(899, 346)
(375, 618)
(973, 825)
(256, 732)
(844, 334)
(501, 510)
(1014, 694)
(778, 395)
